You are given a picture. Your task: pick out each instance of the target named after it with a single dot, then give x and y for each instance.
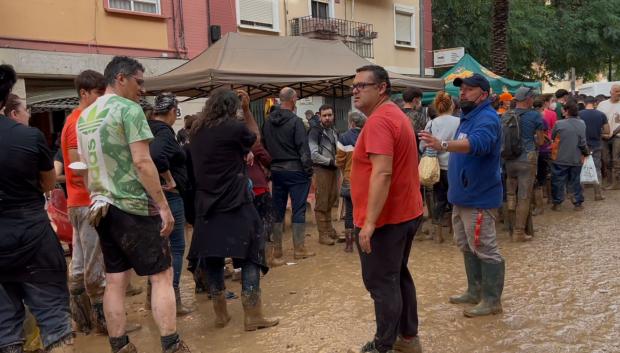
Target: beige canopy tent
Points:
(264, 64)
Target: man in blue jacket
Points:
(476, 192)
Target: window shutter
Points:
(323, 1)
(120, 4)
(403, 28)
(256, 12)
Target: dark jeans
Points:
(295, 184)
(214, 271)
(177, 237)
(387, 278)
(264, 206)
(345, 192)
(440, 195)
(543, 170)
(564, 176)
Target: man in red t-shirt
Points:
(87, 270)
(387, 207)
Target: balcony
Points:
(356, 35)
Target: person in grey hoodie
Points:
(284, 137)
(570, 134)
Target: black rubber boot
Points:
(474, 279)
(492, 288)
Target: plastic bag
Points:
(429, 170)
(588, 172)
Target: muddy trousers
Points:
(566, 177)
(214, 270)
(387, 278)
(326, 197)
(87, 269)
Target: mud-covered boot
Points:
(64, 345)
(492, 288)
(129, 348)
(99, 323)
(324, 228)
(438, 233)
(253, 312)
(220, 309)
(407, 345)
(179, 347)
(474, 278)
(299, 234)
(181, 309)
(81, 310)
(598, 196)
(539, 204)
(522, 213)
(278, 230)
(348, 240)
(271, 260)
(147, 301)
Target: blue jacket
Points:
(474, 178)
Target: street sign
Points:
(447, 57)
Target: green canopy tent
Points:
(466, 67)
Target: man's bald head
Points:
(614, 92)
(288, 98)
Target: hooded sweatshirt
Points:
(284, 137)
(474, 178)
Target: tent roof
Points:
(264, 64)
(468, 66)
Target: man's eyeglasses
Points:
(361, 85)
(139, 81)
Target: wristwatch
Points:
(444, 146)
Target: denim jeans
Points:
(214, 271)
(177, 237)
(295, 184)
(440, 195)
(566, 177)
(345, 192)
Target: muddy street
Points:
(562, 294)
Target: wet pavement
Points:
(562, 294)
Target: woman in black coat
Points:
(226, 224)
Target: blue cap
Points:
(475, 80)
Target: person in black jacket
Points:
(227, 223)
(169, 159)
(285, 139)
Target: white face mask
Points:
(553, 105)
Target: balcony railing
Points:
(356, 35)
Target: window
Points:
(258, 14)
(146, 6)
(320, 8)
(404, 26)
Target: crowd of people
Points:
(133, 187)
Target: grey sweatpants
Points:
(87, 269)
(464, 222)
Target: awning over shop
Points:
(264, 64)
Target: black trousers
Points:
(389, 281)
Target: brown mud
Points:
(562, 294)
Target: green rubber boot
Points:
(492, 288)
(474, 277)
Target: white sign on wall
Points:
(447, 57)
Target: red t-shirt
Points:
(387, 132)
(550, 118)
(77, 190)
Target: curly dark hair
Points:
(221, 106)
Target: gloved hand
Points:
(98, 210)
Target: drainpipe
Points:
(422, 64)
(209, 23)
